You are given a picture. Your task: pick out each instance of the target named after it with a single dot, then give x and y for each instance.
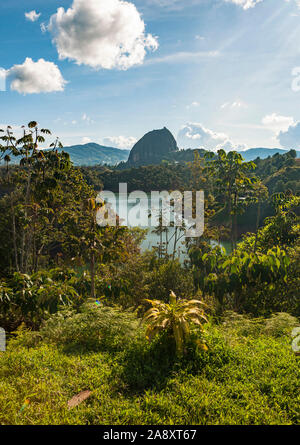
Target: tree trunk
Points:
(257, 225)
(175, 243)
(93, 275)
(230, 219)
(14, 235)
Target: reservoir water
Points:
(122, 206)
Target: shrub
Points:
(29, 300)
(93, 328)
(182, 318)
(170, 276)
(279, 324)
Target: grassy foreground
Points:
(250, 374)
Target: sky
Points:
(216, 73)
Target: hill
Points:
(263, 153)
(95, 154)
(159, 145)
(152, 148)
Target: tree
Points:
(34, 182)
(93, 241)
(247, 279)
(261, 195)
(233, 182)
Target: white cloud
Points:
(277, 123)
(290, 138)
(102, 34)
(245, 4)
(195, 135)
(36, 77)
(86, 140)
(286, 130)
(231, 146)
(120, 141)
(233, 105)
(33, 16)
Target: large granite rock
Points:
(152, 148)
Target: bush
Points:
(93, 328)
(170, 276)
(28, 300)
(279, 325)
(145, 365)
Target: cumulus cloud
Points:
(286, 130)
(32, 16)
(195, 135)
(290, 138)
(35, 77)
(277, 123)
(231, 146)
(122, 142)
(102, 34)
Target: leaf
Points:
(32, 124)
(79, 398)
(173, 298)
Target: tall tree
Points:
(233, 181)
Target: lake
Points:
(122, 207)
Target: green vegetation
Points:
(85, 309)
(278, 173)
(249, 375)
(181, 317)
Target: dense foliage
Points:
(74, 295)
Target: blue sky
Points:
(217, 73)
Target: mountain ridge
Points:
(95, 154)
(161, 147)
(100, 155)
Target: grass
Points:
(244, 378)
